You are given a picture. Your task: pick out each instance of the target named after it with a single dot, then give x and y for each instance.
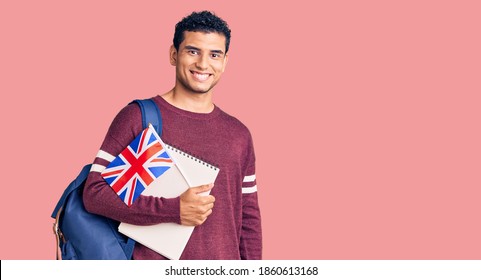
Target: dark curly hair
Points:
(204, 21)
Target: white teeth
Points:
(201, 77)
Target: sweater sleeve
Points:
(98, 196)
(251, 234)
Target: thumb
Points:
(202, 188)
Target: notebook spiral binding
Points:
(194, 157)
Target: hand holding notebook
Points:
(195, 205)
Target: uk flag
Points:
(137, 166)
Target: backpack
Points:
(82, 235)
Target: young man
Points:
(228, 224)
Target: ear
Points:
(226, 58)
(173, 55)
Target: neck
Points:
(192, 102)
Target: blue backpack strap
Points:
(77, 183)
(150, 114)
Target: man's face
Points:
(200, 61)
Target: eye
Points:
(193, 52)
(216, 55)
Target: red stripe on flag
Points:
(141, 143)
(161, 160)
(112, 173)
(132, 190)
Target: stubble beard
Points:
(194, 90)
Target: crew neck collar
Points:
(201, 116)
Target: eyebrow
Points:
(217, 51)
(192, 48)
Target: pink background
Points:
(365, 115)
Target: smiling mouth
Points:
(201, 76)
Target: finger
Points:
(203, 188)
(207, 199)
(208, 207)
(206, 214)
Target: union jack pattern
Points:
(137, 166)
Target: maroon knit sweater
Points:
(233, 230)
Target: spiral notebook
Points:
(170, 239)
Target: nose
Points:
(202, 62)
